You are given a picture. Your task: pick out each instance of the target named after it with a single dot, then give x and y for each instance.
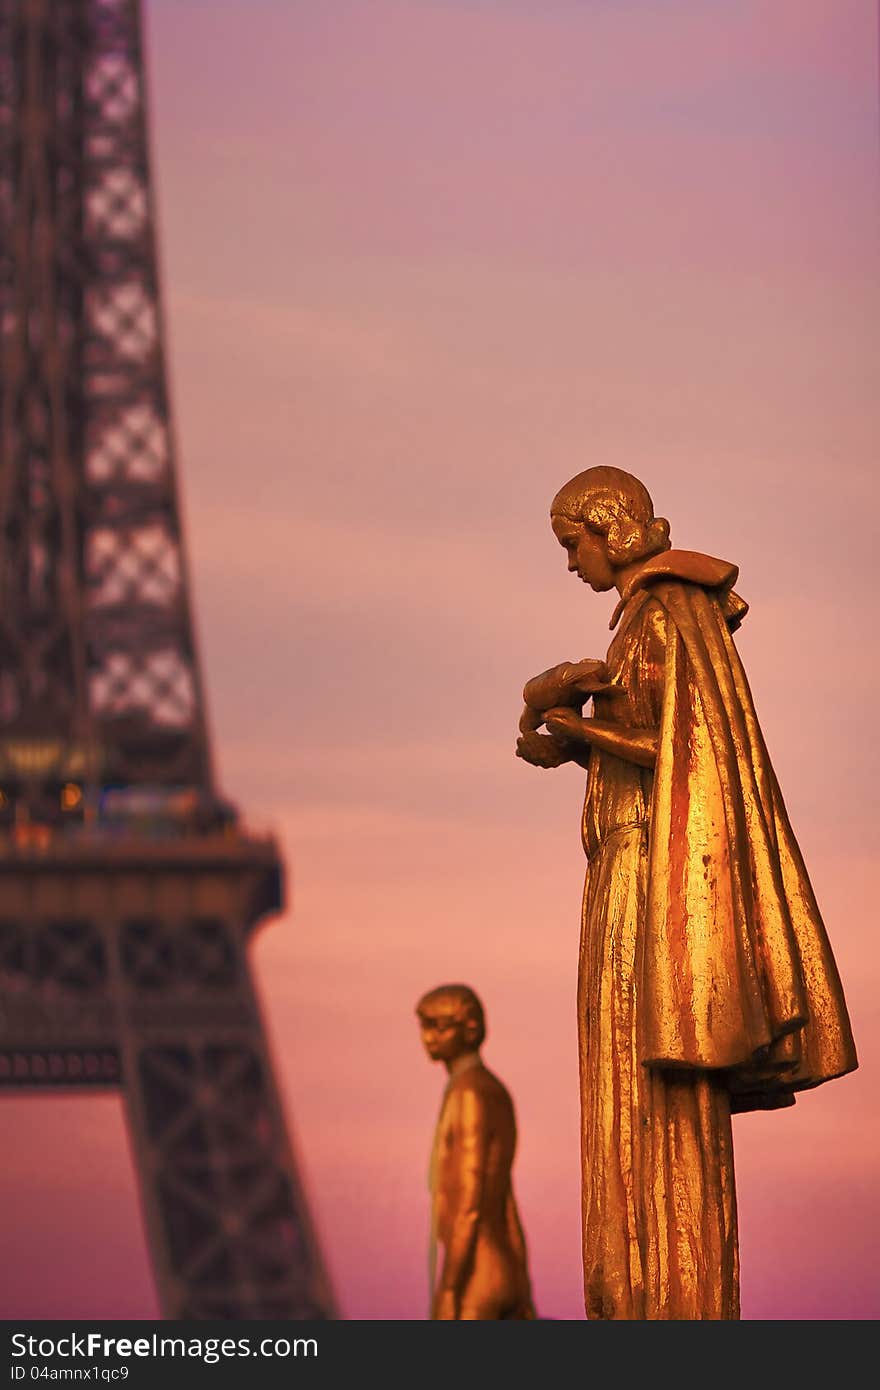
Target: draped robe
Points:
(706, 981)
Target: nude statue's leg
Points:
(477, 1312)
(493, 1292)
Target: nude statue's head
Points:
(605, 520)
(452, 1022)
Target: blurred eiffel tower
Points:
(127, 888)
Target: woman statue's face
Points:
(587, 553)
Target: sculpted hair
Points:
(618, 507)
(469, 1006)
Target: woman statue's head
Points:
(605, 520)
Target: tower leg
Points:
(226, 1219)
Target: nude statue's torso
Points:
(474, 1148)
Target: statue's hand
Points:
(541, 750)
(570, 683)
(530, 720)
(588, 674)
(565, 724)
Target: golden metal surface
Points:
(706, 981)
(474, 1219)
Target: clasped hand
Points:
(556, 699)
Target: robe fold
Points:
(706, 982)
(738, 970)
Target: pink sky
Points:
(424, 261)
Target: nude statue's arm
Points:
(472, 1145)
(634, 745)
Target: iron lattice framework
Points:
(95, 632)
(127, 888)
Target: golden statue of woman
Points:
(706, 982)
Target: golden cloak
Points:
(738, 974)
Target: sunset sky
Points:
(424, 260)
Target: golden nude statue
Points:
(706, 983)
(484, 1271)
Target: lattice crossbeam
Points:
(95, 626)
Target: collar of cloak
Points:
(690, 567)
